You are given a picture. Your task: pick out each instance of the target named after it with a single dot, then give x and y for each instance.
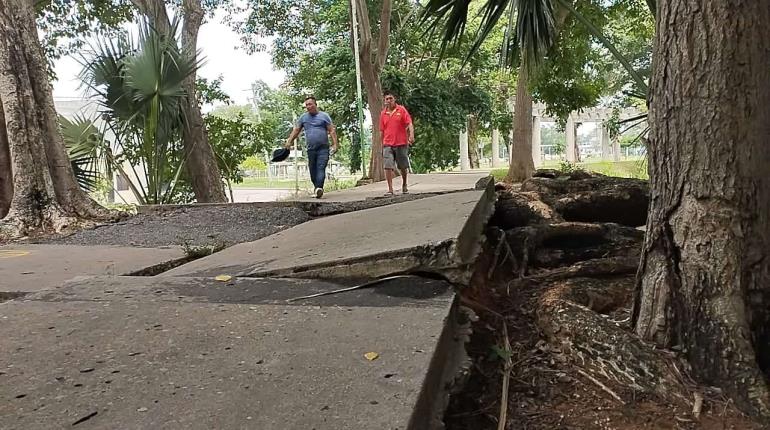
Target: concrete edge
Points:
(150, 209)
(447, 369)
(428, 258)
(471, 236)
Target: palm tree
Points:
(528, 38)
(139, 86)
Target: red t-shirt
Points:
(393, 126)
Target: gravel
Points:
(194, 226)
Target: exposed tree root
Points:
(554, 245)
(54, 219)
(590, 197)
(520, 209)
(563, 292)
(569, 314)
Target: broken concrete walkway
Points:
(430, 234)
(184, 350)
(418, 184)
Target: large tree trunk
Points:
(372, 61)
(374, 97)
(522, 166)
(704, 279)
(200, 159)
(6, 177)
(45, 193)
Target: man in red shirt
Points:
(397, 134)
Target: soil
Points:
(192, 226)
(549, 387)
(547, 394)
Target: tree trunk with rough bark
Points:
(704, 280)
(200, 160)
(373, 89)
(45, 194)
(6, 176)
(522, 166)
(372, 61)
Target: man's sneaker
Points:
(319, 192)
(404, 190)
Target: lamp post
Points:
(359, 99)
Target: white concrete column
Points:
(465, 162)
(616, 149)
(496, 161)
(571, 131)
(536, 141)
(606, 150)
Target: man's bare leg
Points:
(389, 177)
(404, 189)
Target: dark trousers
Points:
(317, 159)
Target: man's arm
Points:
(293, 135)
(333, 133)
(409, 127)
(382, 132)
(410, 133)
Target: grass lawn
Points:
(331, 184)
(264, 183)
(623, 169)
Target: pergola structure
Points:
(610, 147)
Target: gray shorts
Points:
(396, 156)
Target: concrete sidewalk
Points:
(418, 184)
(184, 353)
(25, 268)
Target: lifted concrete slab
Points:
(171, 353)
(25, 268)
(432, 234)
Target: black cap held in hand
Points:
(280, 155)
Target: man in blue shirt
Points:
(318, 127)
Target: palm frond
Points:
(88, 152)
(534, 26)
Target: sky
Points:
(223, 56)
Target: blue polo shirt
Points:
(316, 135)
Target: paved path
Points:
(25, 268)
(180, 353)
(418, 184)
(246, 195)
